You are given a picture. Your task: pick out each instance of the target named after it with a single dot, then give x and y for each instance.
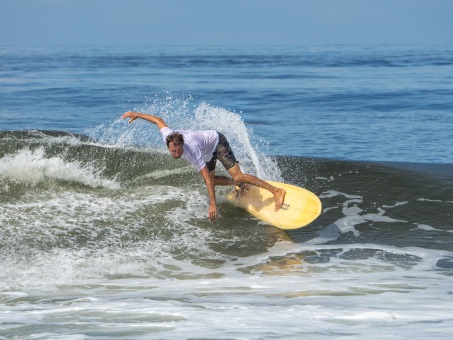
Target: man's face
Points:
(176, 151)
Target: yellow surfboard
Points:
(300, 207)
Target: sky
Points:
(225, 22)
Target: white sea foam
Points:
(353, 215)
(98, 232)
(146, 292)
(426, 227)
(33, 166)
(333, 193)
(397, 204)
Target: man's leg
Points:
(223, 180)
(240, 177)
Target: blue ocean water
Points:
(104, 236)
(383, 103)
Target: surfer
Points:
(202, 149)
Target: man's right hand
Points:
(131, 115)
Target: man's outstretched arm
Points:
(150, 118)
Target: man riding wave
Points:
(202, 149)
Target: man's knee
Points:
(239, 177)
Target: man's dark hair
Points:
(176, 138)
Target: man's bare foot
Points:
(241, 189)
(279, 198)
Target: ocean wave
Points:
(71, 198)
(33, 167)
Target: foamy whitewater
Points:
(105, 236)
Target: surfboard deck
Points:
(300, 208)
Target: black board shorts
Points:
(223, 153)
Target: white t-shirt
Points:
(198, 145)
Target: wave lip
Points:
(33, 167)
